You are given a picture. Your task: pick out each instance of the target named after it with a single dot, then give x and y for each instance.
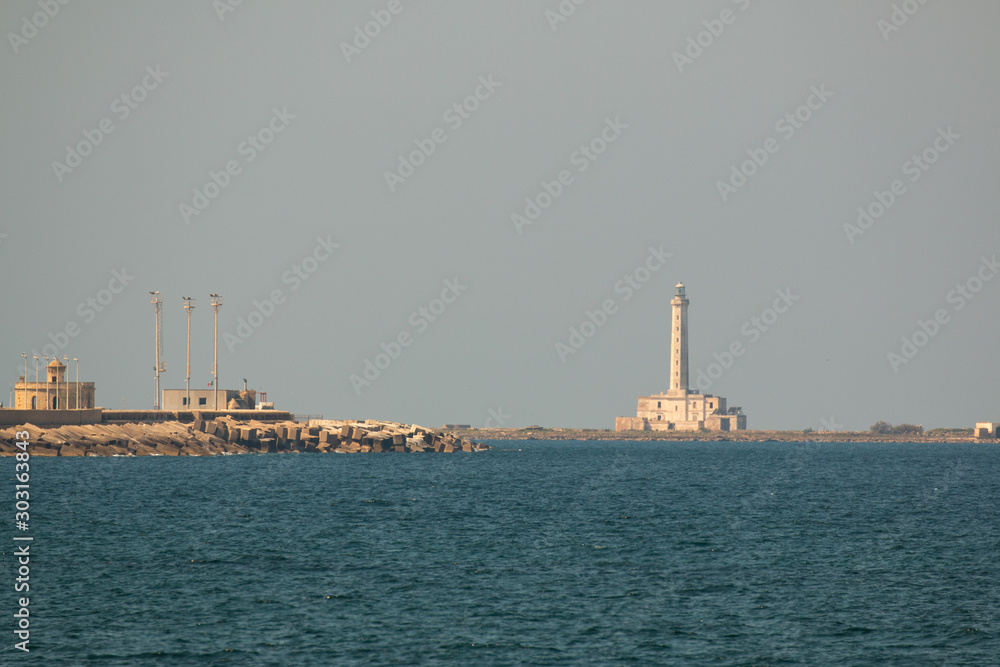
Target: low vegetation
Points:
(885, 428)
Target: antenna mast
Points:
(216, 303)
(188, 306)
(159, 368)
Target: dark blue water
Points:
(534, 553)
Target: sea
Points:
(532, 553)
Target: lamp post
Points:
(188, 306)
(77, 382)
(216, 304)
(25, 378)
(36, 380)
(157, 302)
(66, 359)
(47, 383)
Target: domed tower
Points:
(57, 376)
(679, 342)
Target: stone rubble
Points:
(226, 435)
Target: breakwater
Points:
(228, 435)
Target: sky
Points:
(476, 212)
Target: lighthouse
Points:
(679, 342)
(681, 408)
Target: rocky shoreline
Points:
(226, 435)
(952, 436)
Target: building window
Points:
(34, 402)
(659, 404)
(659, 417)
(202, 401)
(184, 400)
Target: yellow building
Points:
(53, 392)
(681, 408)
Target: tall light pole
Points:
(47, 383)
(25, 378)
(77, 382)
(36, 379)
(216, 304)
(154, 298)
(66, 359)
(188, 306)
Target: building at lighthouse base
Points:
(683, 410)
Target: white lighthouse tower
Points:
(679, 343)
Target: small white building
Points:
(987, 430)
(201, 399)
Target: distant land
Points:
(540, 433)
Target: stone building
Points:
(53, 392)
(987, 430)
(681, 408)
(204, 399)
(201, 399)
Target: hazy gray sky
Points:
(628, 124)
